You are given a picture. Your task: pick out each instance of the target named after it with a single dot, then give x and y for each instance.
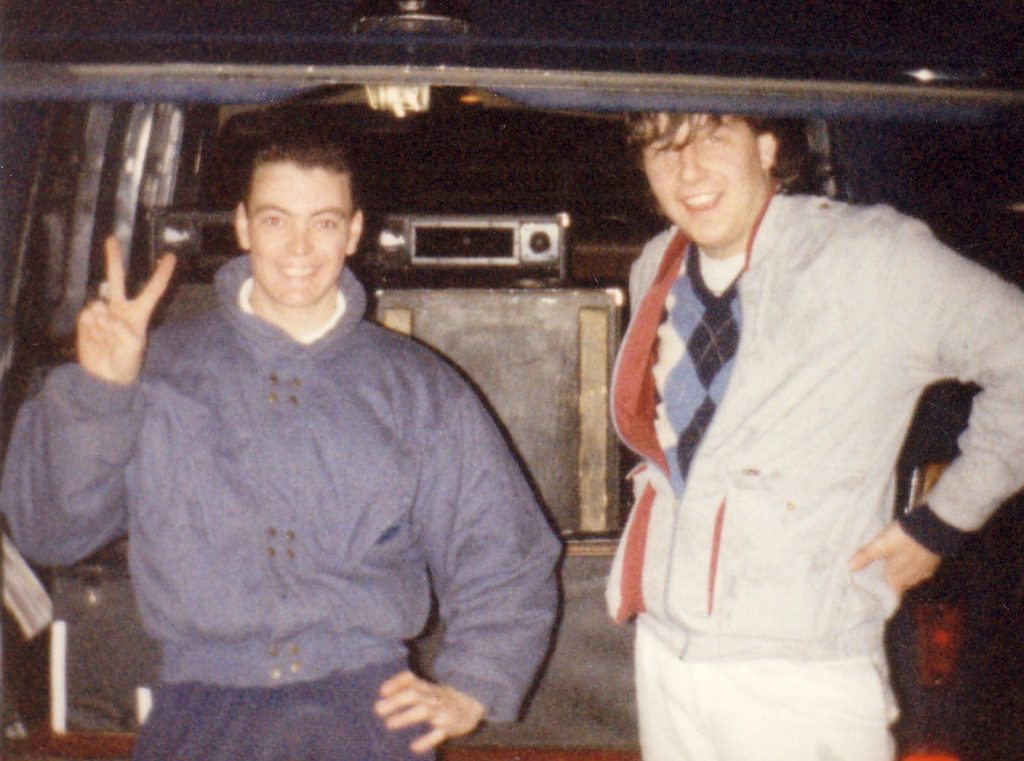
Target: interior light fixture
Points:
(411, 17)
(399, 99)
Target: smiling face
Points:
(298, 225)
(712, 179)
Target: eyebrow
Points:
(332, 210)
(667, 141)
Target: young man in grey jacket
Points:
(776, 351)
(294, 481)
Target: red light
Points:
(939, 628)
(942, 638)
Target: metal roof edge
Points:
(598, 90)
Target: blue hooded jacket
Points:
(289, 506)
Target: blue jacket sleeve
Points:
(492, 557)
(63, 484)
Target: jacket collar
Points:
(633, 393)
(267, 341)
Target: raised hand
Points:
(405, 700)
(111, 335)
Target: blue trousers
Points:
(329, 719)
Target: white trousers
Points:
(760, 710)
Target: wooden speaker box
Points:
(542, 359)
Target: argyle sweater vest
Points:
(697, 342)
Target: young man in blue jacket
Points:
(294, 481)
(775, 355)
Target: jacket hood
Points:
(267, 340)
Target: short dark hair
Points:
(792, 161)
(334, 157)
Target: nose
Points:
(300, 243)
(688, 164)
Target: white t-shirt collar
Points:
(719, 274)
(245, 304)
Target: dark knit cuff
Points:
(930, 531)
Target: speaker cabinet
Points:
(100, 656)
(542, 359)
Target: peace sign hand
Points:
(111, 336)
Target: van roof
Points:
(911, 58)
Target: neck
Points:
(748, 244)
(718, 274)
(305, 324)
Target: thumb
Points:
(865, 556)
(882, 546)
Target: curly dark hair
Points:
(793, 161)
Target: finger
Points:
(417, 714)
(399, 701)
(114, 269)
(863, 557)
(397, 683)
(96, 319)
(157, 284)
(429, 741)
(103, 328)
(882, 546)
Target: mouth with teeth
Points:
(298, 282)
(701, 202)
(297, 273)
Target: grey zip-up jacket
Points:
(847, 314)
(288, 506)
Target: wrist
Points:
(99, 395)
(929, 530)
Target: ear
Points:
(242, 226)
(355, 232)
(767, 150)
